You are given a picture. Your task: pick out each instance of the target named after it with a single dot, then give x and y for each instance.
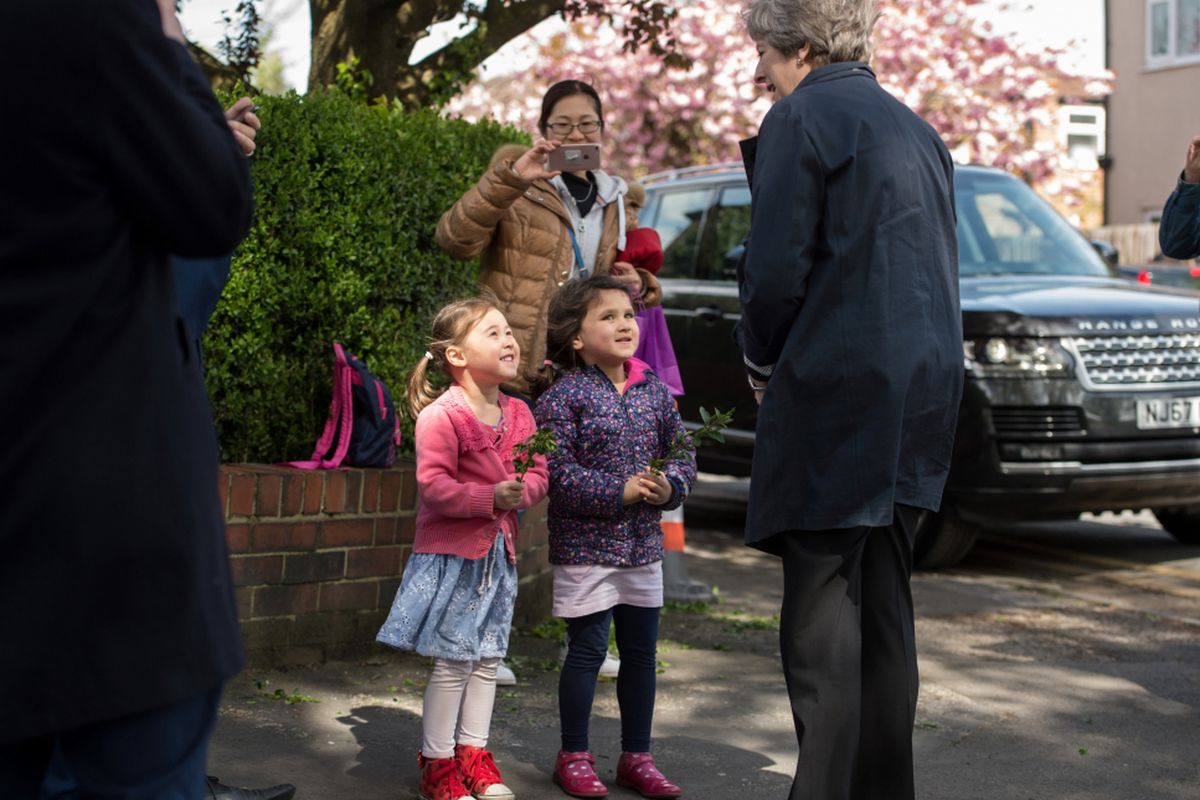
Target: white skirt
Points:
(582, 589)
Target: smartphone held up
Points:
(575, 158)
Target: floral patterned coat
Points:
(604, 438)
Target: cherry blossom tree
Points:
(657, 115)
(992, 100)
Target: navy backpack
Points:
(363, 428)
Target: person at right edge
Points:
(1179, 230)
(115, 594)
(852, 337)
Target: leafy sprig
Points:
(541, 443)
(712, 429)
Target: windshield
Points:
(1004, 228)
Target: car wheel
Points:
(943, 539)
(1182, 523)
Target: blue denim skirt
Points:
(454, 608)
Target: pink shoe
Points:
(576, 775)
(637, 771)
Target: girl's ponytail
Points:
(421, 390)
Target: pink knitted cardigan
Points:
(459, 462)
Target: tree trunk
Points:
(220, 75)
(382, 34)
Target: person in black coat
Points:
(115, 592)
(852, 337)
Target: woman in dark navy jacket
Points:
(852, 337)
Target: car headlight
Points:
(1004, 357)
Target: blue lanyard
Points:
(583, 271)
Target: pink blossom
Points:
(977, 89)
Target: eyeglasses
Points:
(565, 128)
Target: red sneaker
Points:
(637, 771)
(440, 779)
(576, 775)
(479, 773)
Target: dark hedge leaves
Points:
(347, 199)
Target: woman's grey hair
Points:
(834, 30)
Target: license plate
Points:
(1174, 412)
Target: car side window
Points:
(727, 226)
(1004, 228)
(679, 221)
(1016, 237)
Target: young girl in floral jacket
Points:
(610, 415)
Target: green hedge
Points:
(342, 248)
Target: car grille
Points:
(1037, 422)
(1114, 362)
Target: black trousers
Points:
(637, 642)
(850, 658)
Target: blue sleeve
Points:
(1179, 230)
(785, 214)
(198, 285)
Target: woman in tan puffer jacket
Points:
(520, 218)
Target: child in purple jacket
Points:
(611, 415)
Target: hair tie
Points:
(547, 363)
(428, 355)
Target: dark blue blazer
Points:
(115, 591)
(850, 307)
(1179, 230)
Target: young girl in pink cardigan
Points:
(455, 602)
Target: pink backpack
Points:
(363, 428)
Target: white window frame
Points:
(1095, 129)
(1172, 58)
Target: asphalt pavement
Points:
(1059, 662)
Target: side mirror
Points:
(1109, 253)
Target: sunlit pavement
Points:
(1058, 661)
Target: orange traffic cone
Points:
(676, 584)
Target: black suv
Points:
(1082, 389)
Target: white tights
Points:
(458, 705)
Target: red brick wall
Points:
(317, 556)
